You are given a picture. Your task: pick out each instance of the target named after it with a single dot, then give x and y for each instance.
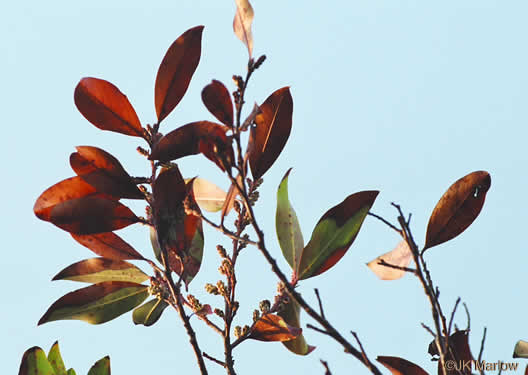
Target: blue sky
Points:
(404, 97)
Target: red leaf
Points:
(273, 328)
(91, 214)
(176, 71)
(108, 245)
(458, 208)
(269, 136)
(203, 137)
(101, 103)
(400, 366)
(176, 230)
(217, 100)
(65, 190)
(104, 172)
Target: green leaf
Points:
(288, 229)
(101, 367)
(71, 372)
(291, 315)
(55, 360)
(96, 270)
(97, 303)
(34, 362)
(334, 233)
(521, 349)
(149, 313)
(155, 244)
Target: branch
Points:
(327, 369)
(213, 359)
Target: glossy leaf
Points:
(457, 208)
(92, 214)
(97, 270)
(55, 360)
(242, 23)
(334, 233)
(208, 196)
(104, 172)
(288, 230)
(401, 256)
(179, 233)
(273, 328)
(291, 314)
(65, 190)
(521, 349)
(34, 362)
(101, 367)
(108, 245)
(269, 136)
(400, 366)
(203, 137)
(149, 313)
(176, 71)
(101, 103)
(217, 100)
(97, 303)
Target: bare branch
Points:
(327, 369)
(386, 222)
(321, 310)
(213, 359)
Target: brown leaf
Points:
(65, 190)
(273, 328)
(231, 196)
(269, 136)
(104, 172)
(176, 71)
(208, 196)
(101, 103)
(91, 214)
(217, 100)
(242, 23)
(108, 245)
(203, 137)
(458, 208)
(460, 353)
(400, 366)
(401, 256)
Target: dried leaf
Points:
(458, 208)
(217, 100)
(273, 328)
(96, 270)
(97, 303)
(101, 103)
(291, 315)
(208, 196)
(269, 136)
(104, 172)
(176, 70)
(108, 245)
(149, 313)
(34, 361)
(401, 256)
(334, 234)
(459, 353)
(288, 229)
(400, 366)
(203, 137)
(521, 349)
(242, 23)
(91, 214)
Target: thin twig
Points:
(327, 369)
(324, 332)
(386, 222)
(428, 329)
(321, 310)
(452, 317)
(213, 359)
(482, 348)
(365, 357)
(382, 262)
(468, 316)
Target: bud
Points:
(245, 330)
(211, 289)
(219, 313)
(256, 315)
(264, 306)
(221, 251)
(259, 61)
(222, 290)
(237, 332)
